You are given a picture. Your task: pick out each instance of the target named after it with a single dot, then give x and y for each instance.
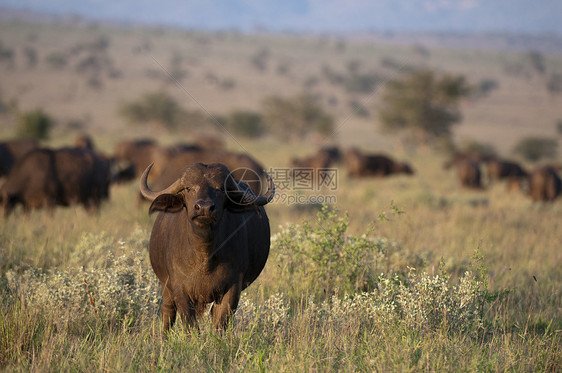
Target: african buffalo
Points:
(359, 164)
(501, 169)
(208, 243)
(469, 173)
(544, 184)
(44, 178)
(134, 156)
(84, 176)
(325, 157)
(12, 150)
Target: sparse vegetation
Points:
(424, 104)
(535, 148)
(161, 109)
(34, 124)
(454, 280)
(295, 117)
(56, 60)
(246, 123)
(92, 298)
(554, 84)
(484, 149)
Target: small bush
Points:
(161, 108)
(297, 116)
(34, 124)
(361, 83)
(260, 59)
(246, 123)
(320, 257)
(485, 87)
(112, 289)
(56, 60)
(474, 147)
(554, 84)
(536, 148)
(30, 54)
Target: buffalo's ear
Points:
(166, 203)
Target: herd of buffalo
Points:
(211, 237)
(37, 177)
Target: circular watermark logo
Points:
(250, 184)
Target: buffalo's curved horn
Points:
(151, 195)
(242, 192)
(269, 194)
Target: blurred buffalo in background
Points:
(361, 165)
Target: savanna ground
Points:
(401, 274)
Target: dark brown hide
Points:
(360, 165)
(208, 243)
(45, 178)
(83, 175)
(469, 174)
(135, 156)
(324, 158)
(499, 169)
(32, 182)
(11, 151)
(544, 184)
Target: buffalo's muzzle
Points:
(204, 208)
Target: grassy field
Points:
(401, 274)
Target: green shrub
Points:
(423, 103)
(361, 83)
(475, 147)
(34, 124)
(554, 84)
(297, 116)
(536, 148)
(56, 60)
(320, 257)
(246, 123)
(161, 108)
(112, 291)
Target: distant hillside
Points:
(550, 43)
(82, 72)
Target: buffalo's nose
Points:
(205, 207)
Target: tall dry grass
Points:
(78, 292)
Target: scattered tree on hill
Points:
(554, 84)
(34, 124)
(295, 117)
(246, 123)
(484, 150)
(163, 109)
(536, 148)
(536, 60)
(424, 104)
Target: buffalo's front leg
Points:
(168, 310)
(186, 309)
(223, 310)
